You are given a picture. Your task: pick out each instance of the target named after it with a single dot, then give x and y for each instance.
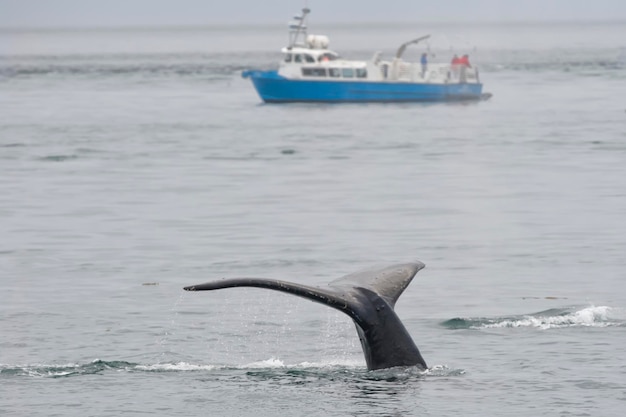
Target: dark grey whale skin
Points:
(368, 297)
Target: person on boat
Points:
(424, 62)
(326, 58)
(463, 66)
(454, 67)
(464, 61)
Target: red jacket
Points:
(464, 60)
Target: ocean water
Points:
(134, 162)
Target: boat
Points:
(311, 72)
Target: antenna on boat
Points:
(297, 29)
(404, 45)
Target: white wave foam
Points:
(332, 363)
(442, 370)
(268, 363)
(42, 370)
(271, 363)
(59, 370)
(588, 317)
(40, 365)
(180, 366)
(329, 363)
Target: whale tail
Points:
(368, 297)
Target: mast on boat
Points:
(297, 29)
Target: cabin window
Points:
(334, 72)
(288, 57)
(361, 72)
(297, 58)
(309, 58)
(314, 72)
(347, 72)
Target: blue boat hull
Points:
(274, 88)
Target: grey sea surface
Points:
(134, 162)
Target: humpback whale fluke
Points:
(368, 297)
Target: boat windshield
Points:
(298, 58)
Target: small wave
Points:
(272, 369)
(58, 158)
(95, 367)
(65, 370)
(269, 363)
(333, 363)
(582, 66)
(317, 373)
(179, 366)
(209, 66)
(443, 370)
(98, 366)
(595, 316)
(12, 145)
(180, 70)
(349, 369)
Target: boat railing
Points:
(463, 74)
(398, 70)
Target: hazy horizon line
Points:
(277, 25)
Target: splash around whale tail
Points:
(368, 297)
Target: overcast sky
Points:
(94, 13)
